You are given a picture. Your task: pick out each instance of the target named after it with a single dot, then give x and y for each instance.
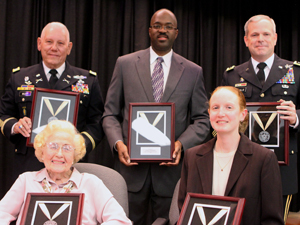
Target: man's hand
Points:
(176, 155)
(123, 154)
(287, 110)
(23, 126)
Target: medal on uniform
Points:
(46, 212)
(264, 136)
(49, 106)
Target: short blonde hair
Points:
(60, 126)
(258, 18)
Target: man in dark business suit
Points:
(131, 82)
(15, 105)
(281, 82)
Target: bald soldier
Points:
(54, 72)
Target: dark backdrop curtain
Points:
(210, 34)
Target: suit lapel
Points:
(175, 73)
(277, 71)
(248, 74)
(65, 79)
(239, 164)
(204, 166)
(39, 78)
(143, 71)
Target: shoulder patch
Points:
(93, 73)
(296, 63)
(230, 68)
(16, 69)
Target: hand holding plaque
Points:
(267, 128)
(50, 104)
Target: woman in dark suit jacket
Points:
(232, 165)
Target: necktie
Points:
(158, 80)
(53, 78)
(261, 73)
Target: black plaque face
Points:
(48, 105)
(266, 128)
(53, 209)
(201, 209)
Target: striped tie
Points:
(158, 80)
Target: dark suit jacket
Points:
(254, 175)
(131, 82)
(272, 92)
(15, 105)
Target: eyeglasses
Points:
(166, 27)
(55, 147)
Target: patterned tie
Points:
(261, 73)
(53, 78)
(158, 80)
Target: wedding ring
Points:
(21, 126)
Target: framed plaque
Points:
(50, 104)
(53, 209)
(202, 209)
(151, 132)
(267, 129)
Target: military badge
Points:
(26, 88)
(80, 87)
(242, 80)
(79, 77)
(65, 80)
(241, 85)
(288, 66)
(27, 81)
(230, 68)
(25, 93)
(288, 78)
(38, 80)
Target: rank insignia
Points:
(93, 73)
(26, 88)
(38, 75)
(280, 67)
(285, 86)
(79, 77)
(25, 93)
(288, 78)
(297, 63)
(27, 81)
(81, 88)
(16, 69)
(68, 76)
(38, 80)
(230, 68)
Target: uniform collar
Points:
(269, 62)
(59, 70)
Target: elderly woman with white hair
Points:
(59, 146)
